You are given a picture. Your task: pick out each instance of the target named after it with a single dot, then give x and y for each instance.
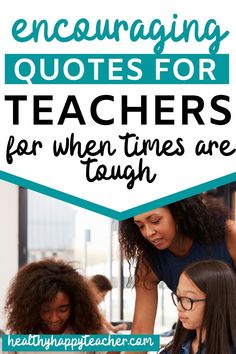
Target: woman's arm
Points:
(146, 302)
(231, 239)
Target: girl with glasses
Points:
(163, 241)
(205, 300)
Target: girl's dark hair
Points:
(199, 218)
(101, 282)
(218, 281)
(39, 282)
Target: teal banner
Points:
(116, 69)
(109, 342)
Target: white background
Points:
(66, 174)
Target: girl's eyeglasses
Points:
(186, 302)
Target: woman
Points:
(164, 241)
(51, 297)
(205, 299)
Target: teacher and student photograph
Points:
(189, 245)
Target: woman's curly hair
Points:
(200, 218)
(39, 282)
